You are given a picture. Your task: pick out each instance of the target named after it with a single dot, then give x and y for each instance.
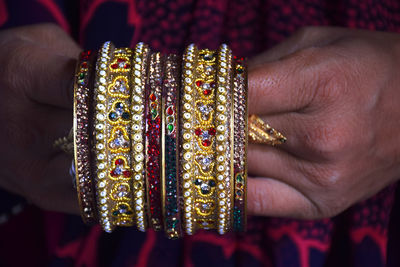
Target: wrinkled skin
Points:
(38, 63)
(332, 92)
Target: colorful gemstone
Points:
(211, 131)
(211, 183)
(206, 142)
(208, 57)
(199, 83)
(153, 97)
(198, 132)
(205, 188)
(126, 174)
(170, 127)
(125, 116)
(154, 113)
(113, 116)
(239, 69)
(207, 92)
(170, 111)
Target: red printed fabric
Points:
(366, 235)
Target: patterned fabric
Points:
(366, 235)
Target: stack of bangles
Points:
(160, 141)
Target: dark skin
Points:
(333, 92)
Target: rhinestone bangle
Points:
(187, 135)
(240, 145)
(153, 140)
(141, 60)
(100, 117)
(224, 139)
(168, 144)
(170, 158)
(84, 185)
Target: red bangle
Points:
(153, 141)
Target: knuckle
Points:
(328, 142)
(324, 176)
(46, 30)
(306, 32)
(331, 205)
(14, 66)
(258, 200)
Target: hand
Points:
(36, 75)
(334, 93)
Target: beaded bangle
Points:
(164, 156)
(84, 185)
(100, 117)
(170, 159)
(240, 145)
(153, 141)
(118, 129)
(204, 181)
(141, 59)
(187, 135)
(224, 139)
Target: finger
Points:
(284, 86)
(58, 192)
(270, 197)
(49, 36)
(39, 75)
(310, 36)
(296, 128)
(55, 124)
(290, 125)
(266, 161)
(54, 86)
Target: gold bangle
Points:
(187, 135)
(188, 174)
(117, 132)
(204, 141)
(141, 59)
(100, 117)
(224, 140)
